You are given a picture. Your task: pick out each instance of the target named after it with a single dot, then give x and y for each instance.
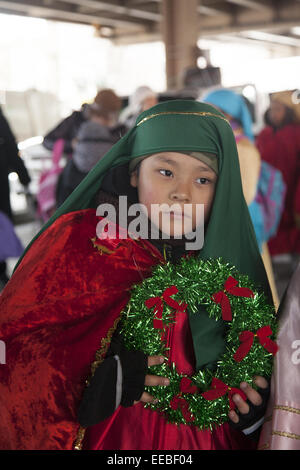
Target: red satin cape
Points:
(64, 298)
(58, 311)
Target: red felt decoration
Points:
(247, 338)
(186, 386)
(219, 389)
(221, 298)
(157, 303)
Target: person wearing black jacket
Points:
(9, 161)
(66, 129)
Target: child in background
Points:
(67, 293)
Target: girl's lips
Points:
(177, 215)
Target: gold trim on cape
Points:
(102, 249)
(287, 408)
(285, 434)
(190, 113)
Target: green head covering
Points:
(207, 158)
(187, 126)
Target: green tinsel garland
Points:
(196, 281)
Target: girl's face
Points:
(177, 180)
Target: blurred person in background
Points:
(94, 138)
(265, 214)
(67, 130)
(10, 161)
(59, 142)
(142, 99)
(279, 145)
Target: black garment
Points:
(99, 399)
(9, 161)
(68, 180)
(67, 129)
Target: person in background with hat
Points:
(279, 145)
(94, 138)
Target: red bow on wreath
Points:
(247, 338)
(177, 401)
(221, 298)
(157, 302)
(219, 389)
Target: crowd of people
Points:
(60, 302)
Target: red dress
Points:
(140, 428)
(281, 148)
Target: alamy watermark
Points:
(296, 354)
(163, 222)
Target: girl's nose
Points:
(181, 192)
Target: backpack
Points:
(269, 200)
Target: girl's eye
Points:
(166, 172)
(202, 180)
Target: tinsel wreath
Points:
(204, 399)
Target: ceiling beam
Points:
(38, 10)
(276, 26)
(209, 11)
(115, 8)
(253, 5)
(269, 37)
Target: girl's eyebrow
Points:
(172, 162)
(167, 160)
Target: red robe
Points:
(282, 150)
(58, 313)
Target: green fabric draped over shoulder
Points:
(189, 126)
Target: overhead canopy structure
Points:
(133, 20)
(179, 23)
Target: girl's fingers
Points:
(152, 380)
(240, 404)
(252, 395)
(233, 416)
(260, 381)
(155, 360)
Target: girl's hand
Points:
(152, 380)
(252, 395)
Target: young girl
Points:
(60, 311)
